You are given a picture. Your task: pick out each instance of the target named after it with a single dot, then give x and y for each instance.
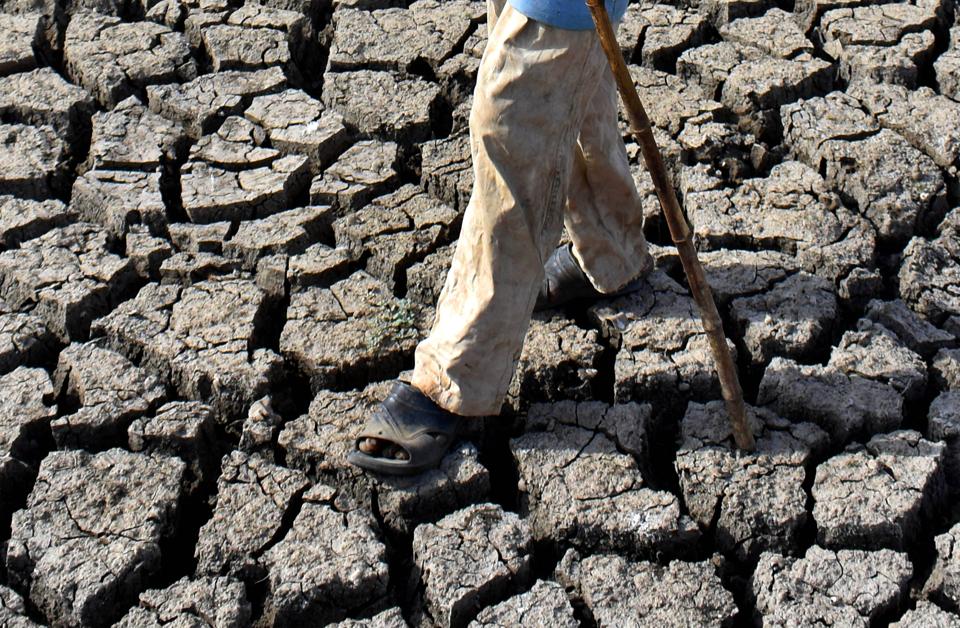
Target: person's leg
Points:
(494, 9)
(533, 89)
(604, 216)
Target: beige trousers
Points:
(546, 152)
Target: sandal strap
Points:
(404, 399)
(405, 415)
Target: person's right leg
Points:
(604, 216)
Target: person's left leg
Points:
(534, 86)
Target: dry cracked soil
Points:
(224, 225)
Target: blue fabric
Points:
(568, 14)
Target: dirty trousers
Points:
(547, 152)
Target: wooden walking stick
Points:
(679, 229)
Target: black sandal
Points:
(410, 420)
(564, 281)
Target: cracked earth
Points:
(223, 229)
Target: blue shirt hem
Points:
(567, 14)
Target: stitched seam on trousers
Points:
(553, 197)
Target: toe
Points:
(394, 452)
(382, 449)
(369, 446)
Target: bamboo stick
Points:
(679, 229)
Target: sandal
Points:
(411, 421)
(564, 281)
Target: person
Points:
(547, 154)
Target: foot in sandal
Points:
(407, 434)
(564, 281)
